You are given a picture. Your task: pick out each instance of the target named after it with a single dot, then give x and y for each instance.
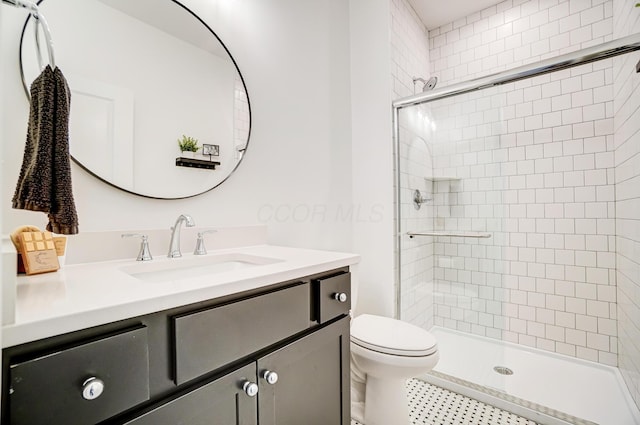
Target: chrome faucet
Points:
(174, 245)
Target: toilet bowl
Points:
(384, 354)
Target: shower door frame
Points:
(602, 51)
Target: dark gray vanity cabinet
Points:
(272, 356)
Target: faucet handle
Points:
(200, 248)
(145, 253)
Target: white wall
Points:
(294, 56)
(627, 162)
(389, 46)
(372, 153)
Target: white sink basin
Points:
(195, 266)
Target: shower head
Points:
(427, 84)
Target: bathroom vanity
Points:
(260, 345)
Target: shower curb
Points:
(536, 412)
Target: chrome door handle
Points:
(250, 388)
(270, 376)
(340, 297)
(92, 388)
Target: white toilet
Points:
(384, 354)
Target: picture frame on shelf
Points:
(210, 150)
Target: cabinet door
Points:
(221, 402)
(313, 380)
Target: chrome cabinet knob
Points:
(250, 388)
(270, 376)
(341, 297)
(92, 388)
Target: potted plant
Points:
(188, 146)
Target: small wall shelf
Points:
(196, 163)
(449, 233)
(442, 178)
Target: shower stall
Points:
(506, 236)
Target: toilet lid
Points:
(392, 336)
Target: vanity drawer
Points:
(209, 339)
(53, 389)
(333, 296)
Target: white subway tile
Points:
(554, 211)
(585, 258)
(553, 180)
(583, 129)
(573, 147)
(595, 144)
(566, 289)
(585, 194)
(562, 133)
(603, 94)
(576, 305)
(564, 319)
(607, 293)
(572, 116)
(586, 323)
(551, 89)
(555, 333)
(593, 15)
(597, 309)
(553, 271)
(575, 273)
(584, 162)
(571, 85)
(602, 28)
(560, 41)
(559, 11)
(576, 337)
(597, 341)
(563, 163)
(542, 106)
(606, 260)
(566, 349)
(605, 160)
(534, 152)
(580, 35)
(552, 150)
(586, 226)
(569, 23)
(607, 327)
(587, 354)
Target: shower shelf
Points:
(442, 178)
(453, 234)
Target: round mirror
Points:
(145, 75)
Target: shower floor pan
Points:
(549, 388)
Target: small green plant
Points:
(188, 144)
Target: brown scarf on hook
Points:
(45, 177)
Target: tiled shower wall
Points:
(516, 32)
(536, 168)
(627, 161)
(410, 58)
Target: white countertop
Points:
(90, 294)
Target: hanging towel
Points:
(45, 177)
